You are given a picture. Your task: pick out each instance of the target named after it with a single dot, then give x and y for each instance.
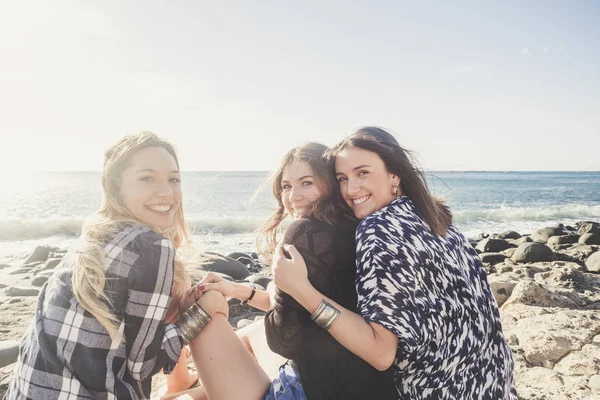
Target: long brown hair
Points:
(401, 162)
(329, 208)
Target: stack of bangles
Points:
(192, 321)
(325, 315)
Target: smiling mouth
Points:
(299, 212)
(161, 208)
(361, 199)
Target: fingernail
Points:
(201, 287)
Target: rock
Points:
(243, 323)
(2, 266)
(542, 235)
(3, 285)
(260, 280)
(48, 265)
(509, 252)
(594, 382)
(536, 294)
(589, 238)
(540, 379)
(588, 227)
(583, 362)
(244, 258)
(40, 254)
(39, 280)
(509, 235)
(562, 239)
(546, 338)
(227, 266)
(502, 287)
(22, 291)
(532, 252)
(492, 258)
(492, 245)
(593, 262)
(520, 241)
(576, 252)
(9, 351)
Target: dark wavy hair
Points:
(401, 162)
(329, 208)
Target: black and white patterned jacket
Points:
(433, 293)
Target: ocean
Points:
(223, 211)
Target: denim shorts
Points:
(286, 386)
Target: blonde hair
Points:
(329, 208)
(89, 272)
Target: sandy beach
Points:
(547, 284)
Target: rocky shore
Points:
(547, 285)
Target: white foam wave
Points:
(518, 214)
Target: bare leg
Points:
(181, 378)
(227, 369)
(254, 338)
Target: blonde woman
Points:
(99, 331)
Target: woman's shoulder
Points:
(138, 238)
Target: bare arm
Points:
(370, 341)
(262, 299)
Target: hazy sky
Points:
(485, 85)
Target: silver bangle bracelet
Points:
(192, 322)
(325, 315)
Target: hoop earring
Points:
(395, 191)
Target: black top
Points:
(327, 369)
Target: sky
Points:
(493, 85)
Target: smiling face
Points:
(299, 189)
(150, 187)
(365, 183)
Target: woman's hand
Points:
(290, 274)
(214, 302)
(213, 281)
(189, 298)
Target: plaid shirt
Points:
(67, 354)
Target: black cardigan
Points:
(327, 370)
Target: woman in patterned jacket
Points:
(100, 329)
(425, 306)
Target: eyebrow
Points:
(299, 179)
(355, 168)
(153, 171)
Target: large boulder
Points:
(562, 239)
(589, 238)
(492, 245)
(542, 235)
(536, 294)
(531, 252)
(502, 287)
(588, 227)
(40, 254)
(593, 262)
(509, 235)
(9, 351)
(14, 291)
(227, 266)
(521, 240)
(580, 362)
(492, 258)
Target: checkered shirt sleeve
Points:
(151, 343)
